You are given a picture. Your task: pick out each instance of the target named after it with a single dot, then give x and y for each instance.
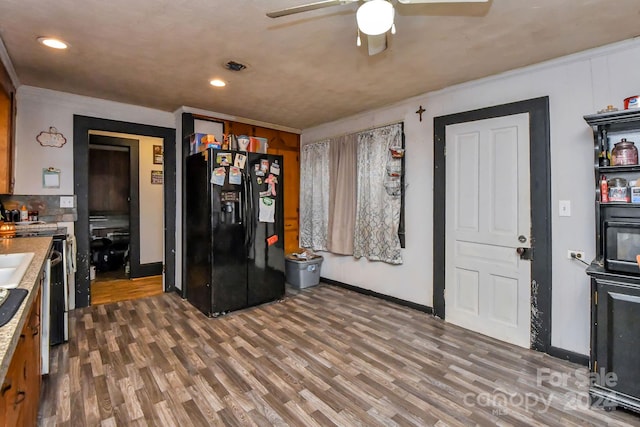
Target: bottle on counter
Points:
(24, 213)
(604, 190)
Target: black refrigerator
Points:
(234, 254)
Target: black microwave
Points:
(621, 245)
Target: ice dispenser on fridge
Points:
(231, 207)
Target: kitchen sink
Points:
(13, 267)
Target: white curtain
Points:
(377, 211)
(314, 195)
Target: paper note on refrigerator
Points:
(218, 176)
(240, 161)
(267, 209)
(235, 176)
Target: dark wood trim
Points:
(401, 225)
(540, 165)
(134, 194)
(405, 303)
(150, 269)
(81, 127)
(580, 359)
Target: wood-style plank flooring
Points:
(107, 290)
(324, 356)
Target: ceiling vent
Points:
(234, 66)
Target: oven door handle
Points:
(56, 257)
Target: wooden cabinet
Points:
(20, 392)
(615, 339)
(615, 275)
(7, 131)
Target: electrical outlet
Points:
(575, 254)
(66, 201)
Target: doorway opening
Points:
(139, 266)
(113, 179)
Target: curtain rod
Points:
(401, 122)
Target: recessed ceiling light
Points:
(217, 83)
(53, 43)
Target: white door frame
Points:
(540, 178)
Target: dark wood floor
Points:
(326, 356)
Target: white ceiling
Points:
(303, 69)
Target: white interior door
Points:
(487, 285)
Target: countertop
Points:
(10, 333)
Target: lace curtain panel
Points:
(314, 195)
(377, 213)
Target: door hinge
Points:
(595, 298)
(164, 268)
(595, 366)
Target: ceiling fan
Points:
(374, 17)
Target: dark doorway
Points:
(81, 128)
(114, 230)
(540, 170)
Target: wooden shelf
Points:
(619, 169)
(619, 204)
(614, 117)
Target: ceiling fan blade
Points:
(376, 44)
(308, 7)
(441, 1)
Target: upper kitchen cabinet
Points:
(287, 145)
(7, 131)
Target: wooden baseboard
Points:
(571, 356)
(151, 269)
(419, 307)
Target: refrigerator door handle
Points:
(246, 183)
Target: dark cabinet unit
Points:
(615, 339)
(614, 273)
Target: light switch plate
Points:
(66, 201)
(564, 208)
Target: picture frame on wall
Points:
(157, 177)
(157, 154)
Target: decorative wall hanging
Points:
(157, 154)
(51, 178)
(157, 177)
(51, 138)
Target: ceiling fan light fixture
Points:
(375, 17)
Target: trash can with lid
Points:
(303, 272)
